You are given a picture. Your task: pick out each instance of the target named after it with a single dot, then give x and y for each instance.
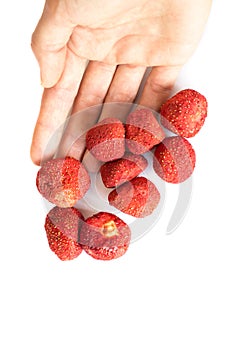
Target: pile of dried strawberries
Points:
(64, 181)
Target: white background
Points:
(167, 292)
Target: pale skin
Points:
(97, 51)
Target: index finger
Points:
(55, 106)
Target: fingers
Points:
(49, 44)
(55, 105)
(92, 91)
(122, 91)
(158, 86)
(99, 84)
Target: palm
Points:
(141, 37)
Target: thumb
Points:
(49, 45)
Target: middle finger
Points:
(92, 91)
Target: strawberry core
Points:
(109, 229)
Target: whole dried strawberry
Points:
(184, 113)
(142, 131)
(138, 197)
(63, 181)
(62, 226)
(121, 170)
(104, 236)
(106, 140)
(174, 159)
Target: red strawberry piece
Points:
(174, 159)
(106, 140)
(138, 197)
(62, 225)
(63, 181)
(142, 131)
(121, 170)
(104, 236)
(184, 113)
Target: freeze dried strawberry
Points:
(184, 113)
(104, 236)
(142, 131)
(62, 225)
(106, 140)
(138, 197)
(174, 159)
(121, 170)
(63, 181)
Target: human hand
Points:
(92, 52)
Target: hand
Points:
(92, 52)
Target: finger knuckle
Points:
(160, 87)
(121, 96)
